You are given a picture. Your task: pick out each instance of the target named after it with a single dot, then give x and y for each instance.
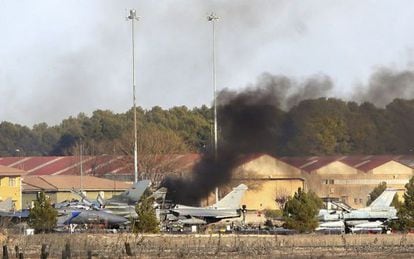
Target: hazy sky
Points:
(59, 58)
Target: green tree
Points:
(321, 124)
(300, 211)
(406, 211)
(147, 220)
(42, 217)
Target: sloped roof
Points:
(98, 165)
(367, 163)
(363, 163)
(309, 164)
(10, 171)
(67, 182)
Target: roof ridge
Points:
(41, 177)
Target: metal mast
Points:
(81, 165)
(212, 18)
(133, 17)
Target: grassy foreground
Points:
(242, 246)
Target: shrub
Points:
(300, 211)
(42, 217)
(147, 220)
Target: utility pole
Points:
(213, 18)
(133, 17)
(81, 165)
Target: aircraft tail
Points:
(384, 200)
(133, 194)
(6, 205)
(232, 199)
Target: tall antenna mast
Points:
(133, 17)
(212, 18)
(81, 164)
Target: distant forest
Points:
(324, 126)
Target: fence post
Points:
(5, 252)
(16, 250)
(128, 249)
(67, 250)
(44, 253)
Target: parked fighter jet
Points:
(228, 207)
(354, 220)
(80, 216)
(124, 204)
(130, 196)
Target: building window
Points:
(360, 201)
(355, 200)
(12, 181)
(329, 181)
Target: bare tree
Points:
(158, 150)
(281, 197)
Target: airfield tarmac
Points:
(214, 245)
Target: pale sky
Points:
(59, 58)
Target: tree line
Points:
(324, 126)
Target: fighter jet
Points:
(130, 196)
(353, 220)
(228, 207)
(124, 203)
(69, 216)
(119, 205)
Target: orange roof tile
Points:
(10, 171)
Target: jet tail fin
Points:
(133, 194)
(385, 199)
(232, 199)
(6, 205)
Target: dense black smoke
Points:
(249, 123)
(286, 92)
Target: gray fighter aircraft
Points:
(124, 204)
(228, 207)
(119, 205)
(67, 216)
(372, 217)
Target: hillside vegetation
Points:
(313, 127)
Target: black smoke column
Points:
(249, 122)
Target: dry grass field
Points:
(215, 245)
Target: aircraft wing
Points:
(206, 213)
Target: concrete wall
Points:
(338, 180)
(263, 192)
(13, 192)
(265, 174)
(267, 177)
